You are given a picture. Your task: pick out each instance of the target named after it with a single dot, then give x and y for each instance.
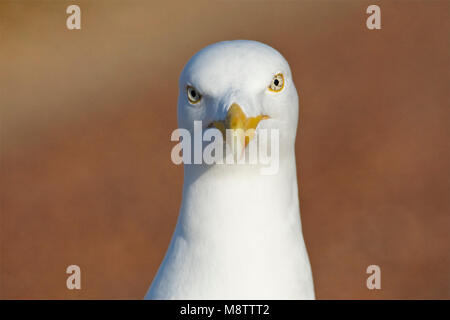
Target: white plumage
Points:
(238, 234)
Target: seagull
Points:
(239, 233)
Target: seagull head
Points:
(239, 84)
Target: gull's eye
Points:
(277, 83)
(193, 95)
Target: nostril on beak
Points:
(236, 118)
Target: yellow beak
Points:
(237, 120)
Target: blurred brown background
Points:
(86, 118)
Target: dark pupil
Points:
(193, 93)
(276, 82)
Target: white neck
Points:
(241, 201)
(238, 236)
